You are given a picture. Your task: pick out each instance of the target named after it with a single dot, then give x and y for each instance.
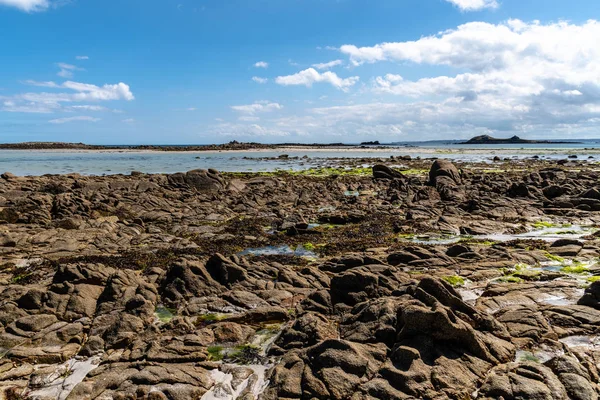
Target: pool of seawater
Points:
(284, 250)
(546, 234)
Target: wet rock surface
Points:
(430, 282)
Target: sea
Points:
(124, 161)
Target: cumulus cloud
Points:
(82, 57)
(515, 76)
(529, 79)
(328, 65)
(47, 102)
(261, 64)
(258, 107)
(27, 5)
(258, 79)
(73, 119)
(474, 5)
(310, 76)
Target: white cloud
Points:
(258, 79)
(82, 57)
(514, 78)
(248, 118)
(47, 102)
(89, 108)
(261, 64)
(191, 109)
(328, 65)
(258, 107)
(49, 84)
(27, 5)
(311, 75)
(73, 119)
(128, 120)
(67, 70)
(474, 5)
(523, 76)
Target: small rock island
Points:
(486, 139)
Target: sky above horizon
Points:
(308, 71)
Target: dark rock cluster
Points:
(450, 284)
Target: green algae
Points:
(164, 314)
(576, 268)
(454, 280)
(215, 353)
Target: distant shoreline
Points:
(239, 146)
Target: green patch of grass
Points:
(20, 277)
(210, 318)
(215, 353)
(415, 172)
(245, 354)
(552, 257)
(309, 246)
(543, 224)
(454, 280)
(521, 267)
(510, 279)
(575, 269)
(593, 279)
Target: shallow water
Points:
(99, 162)
(227, 387)
(586, 342)
(540, 355)
(545, 234)
(61, 386)
(284, 250)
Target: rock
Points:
(445, 168)
(591, 297)
(384, 172)
(200, 180)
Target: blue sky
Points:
(206, 71)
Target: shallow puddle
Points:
(546, 234)
(585, 342)
(470, 296)
(232, 381)
(63, 381)
(539, 355)
(163, 314)
(284, 250)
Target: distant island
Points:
(233, 145)
(486, 139)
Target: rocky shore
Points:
(437, 281)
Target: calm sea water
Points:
(108, 162)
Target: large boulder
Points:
(204, 180)
(444, 168)
(200, 179)
(591, 297)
